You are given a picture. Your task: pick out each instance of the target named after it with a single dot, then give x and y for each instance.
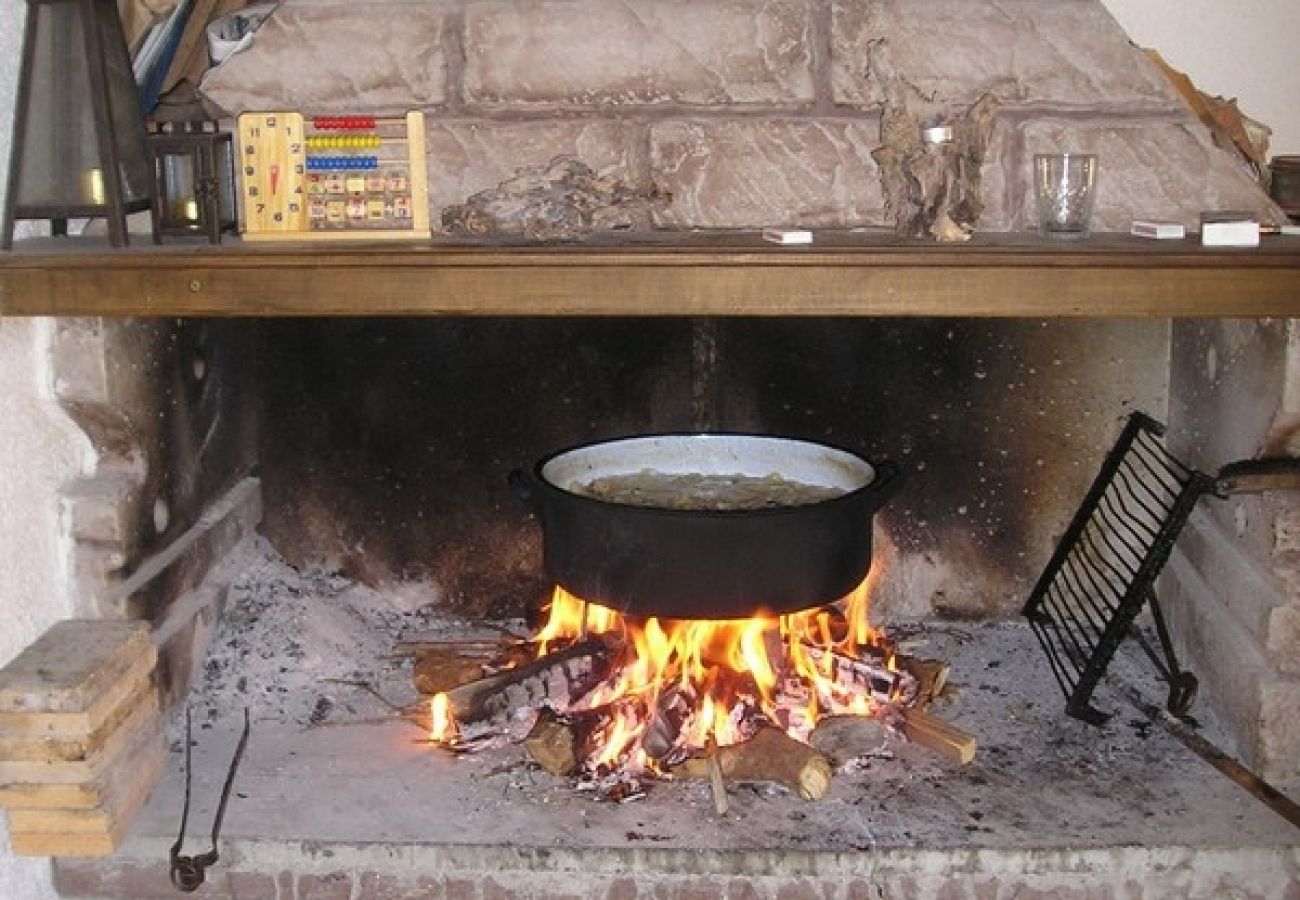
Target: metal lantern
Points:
(194, 171)
(79, 148)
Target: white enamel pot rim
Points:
(709, 453)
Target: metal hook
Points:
(187, 872)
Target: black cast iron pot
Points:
(707, 564)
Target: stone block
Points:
(1284, 638)
(1059, 53)
(1243, 584)
(756, 172)
(1150, 169)
(467, 157)
(1279, 736)
(377, 58)
(380, 886)
(581, 53)
(251, 886)
(1215, 645)
(102, 509)
(799, 889)
(98, 879)
(332, 886)
(462, 889)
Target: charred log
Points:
(559, 678)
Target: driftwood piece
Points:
(942, 737)
(932, 185)
(770, 755)
(562, 201)
(558, 677)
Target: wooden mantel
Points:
(842, 274)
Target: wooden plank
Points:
(22, 844)
(82, 745)
(73, 665)
(998, 275)
(942, 737)
(134, 683)
(91, 794)
(143, 719)
(127, 795)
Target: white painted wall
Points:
(1244, 48)
(33, 430)
(39, 451)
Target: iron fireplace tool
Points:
(1105, 566)
(187, 872)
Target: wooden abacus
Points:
(332, 177)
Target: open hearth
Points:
(305, 463)
(338, 794)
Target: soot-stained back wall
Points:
(386, 443)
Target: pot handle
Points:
(523, 487)
(889, 478)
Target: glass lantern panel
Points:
(60, 159)
(124, 105)
(226, 179)
(180, 190)
(62, 166)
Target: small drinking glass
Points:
(1065, 189)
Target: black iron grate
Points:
(1104, 567)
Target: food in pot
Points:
(700, 491)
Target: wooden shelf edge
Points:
(1111, 278)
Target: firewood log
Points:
(560, 677)
(770, 755)
(561, 742)
(942, 737)
(554, 743)
(856, 674)
(842, 738)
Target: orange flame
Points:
(710, 666)
(442, 724)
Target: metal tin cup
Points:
(1065, 190)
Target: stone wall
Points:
(745, 114)
(1233, 585)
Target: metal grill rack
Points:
(1104, 567)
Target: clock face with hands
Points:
(272, 165)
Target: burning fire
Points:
(683, 685)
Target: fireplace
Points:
(372, 450)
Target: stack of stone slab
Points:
(81, 737)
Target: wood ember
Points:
(863, 674)
(770, 755)
(559, 678)
(932, 189)
(562, 201)
(673, 711)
